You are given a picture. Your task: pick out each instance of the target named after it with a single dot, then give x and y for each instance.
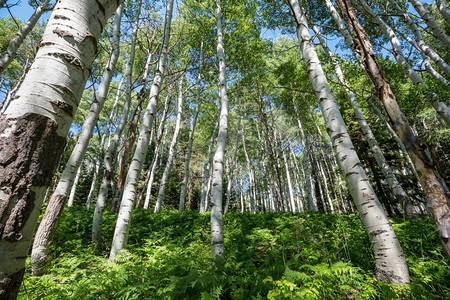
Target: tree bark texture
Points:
(390, 263)
(37, 123)
(129, 193)
(436, 198)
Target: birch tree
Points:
(129, 194)
(172, 148)
(20, 36)
(38, 121)
(436, 198)
(47, 227)
(218, 249)
(389, 259)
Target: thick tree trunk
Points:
(37, 123)
(173, 145)
(217, 242)
(20, 36)
(129, 193)
(389, 260)
(436, 198)
(47, 227)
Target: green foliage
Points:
(269, 256)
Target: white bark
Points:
(74, 187)
(129, 193)
(206, 171)
(289, 182)
(48, 98)
(191, 135)
(420, 42)
(173, 145)
(111, 151)
(393, 183)
(47, 226)
(444, 10)
(217, 241)
(389, 259)
(441, 109)
(158, 149)
(431, 22)
(231, 171)
(20, 36)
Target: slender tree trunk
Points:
(132, 132)
(9, 95)
(156, 153)
(441, 109)
(217, 242)
(389, 260)
(206, 171)
(129, 193)
(37, 123)
(306, 163)
(191, 135)
(444, 10)
(436, 198)
(20, 36)
(74, 186)
(431, 22)
(232, 166)
(111, 151)
(173, 145)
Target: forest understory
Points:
(269, 256)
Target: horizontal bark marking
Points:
(65, 107)
(69, 58)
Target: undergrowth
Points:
(269, 256)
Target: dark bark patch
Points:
(69, 58)
(9, 286)
(61, 17)
(62, 33)
(377, 232)
(30, 147)
(65, 107)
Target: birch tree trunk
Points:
(441, 109)
(389, 260)
(444, 10)
(158, 149)
(217, 242)
(306, 163)
(431, 22)
(191, 135)
(20, 36)
(132, 131)
(38, 121)
(393, 183)
(233, 163)
(129, 193)
(173, 145)
(111, 151)
(47, 227)
(74, 186)
(206, 171)
(436, 198)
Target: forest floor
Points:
(268, 256)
